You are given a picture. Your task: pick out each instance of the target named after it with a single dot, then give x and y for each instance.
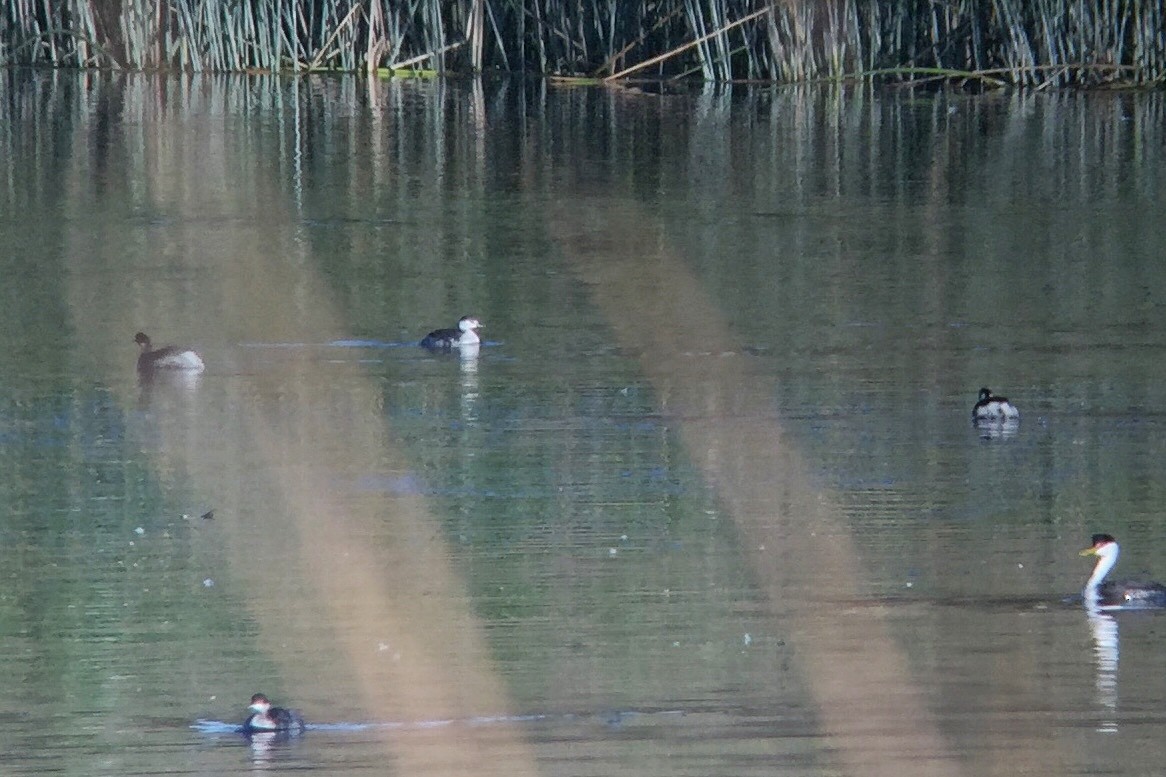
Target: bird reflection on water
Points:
(1104, 630)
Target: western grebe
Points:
(463, 334)
(168, 357)
(1110, 594)
(265, 717)
(994, 408)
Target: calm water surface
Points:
(706, 502)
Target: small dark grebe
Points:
(265, 718)
(444, 339)
(1110, 594)
(994, 408)
(168, 357)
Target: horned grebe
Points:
(994, 408)
(1110, 594)
(264, 717)
(168, 357)
(444, 339)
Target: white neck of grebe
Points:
(1106, 558)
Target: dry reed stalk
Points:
(315, 63)
(474, 30)
(422, 57)
(684, 47)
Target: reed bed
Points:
(1037, 43)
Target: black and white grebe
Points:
(994, 408)
(168, 357)
(265, 717)
(1112, 594)
(463, 334)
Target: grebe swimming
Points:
(994, 408)
(168, 357)
(463, 334)
(265, 717)
(1111, 594)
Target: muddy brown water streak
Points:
(708, 501)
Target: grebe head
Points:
(1104, 546)
(468, 324)
(1106, 549)
(260, 704)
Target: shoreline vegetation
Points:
(985, 43)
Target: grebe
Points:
(444, 339)
(994, 408)
(265, 718)
(168, 357)
(1114, 594)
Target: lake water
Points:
(707, 501)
